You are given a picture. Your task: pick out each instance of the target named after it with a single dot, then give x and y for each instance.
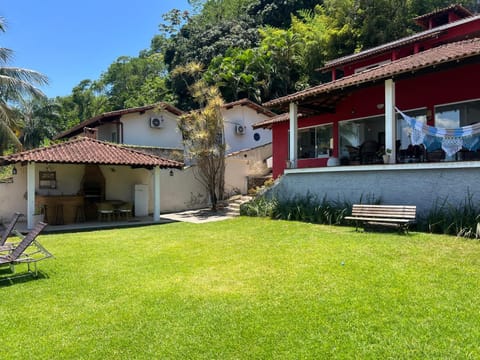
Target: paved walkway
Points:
(198, 216)
(192, 216)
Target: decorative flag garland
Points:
(450, 140)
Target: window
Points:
(457, 115)
(314, 142)
(404, 131)
(354, 133)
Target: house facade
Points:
(332, 137)
(154, 127)
(151, 128)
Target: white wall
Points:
(246, 116)
(13, 195)
(236, 172)
(255, 160)
(137, 130)
(179, 192)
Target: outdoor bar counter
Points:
(60, 209)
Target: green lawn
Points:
(246, 288)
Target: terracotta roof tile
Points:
(453, 52)
(265, 124)
(83, 150)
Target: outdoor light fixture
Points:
(171, 172)
(14, 171)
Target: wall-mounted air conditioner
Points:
(157, 122)
(240, 129)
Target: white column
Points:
(293, 151)
(156, 193)
(390, 119)
(30, 194)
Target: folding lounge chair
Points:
(19, 255)
(9, 228)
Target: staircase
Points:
(232, 205)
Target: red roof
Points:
(449, 53)
(114, 115)
(83, 150)
(267, 123)
(427, 34)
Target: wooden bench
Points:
(400, 216)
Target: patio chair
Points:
(18, 254)
(9, 228)
(368, 152)
(105, 211)
(124, 211)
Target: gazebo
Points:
(87, 151)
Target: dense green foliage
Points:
(443, 218)
(246, 289)
(259, 49)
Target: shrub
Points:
(307, 209)
(446, 218)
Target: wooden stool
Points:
(59, 215)
(79, 214)
(43, 211)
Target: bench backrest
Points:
(385, 211)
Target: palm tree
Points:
(37, 121)
(15, 84)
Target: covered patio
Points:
(67, 182)
(355, 120)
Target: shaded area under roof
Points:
(83, 150)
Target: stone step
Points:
(232, 205)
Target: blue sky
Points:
(70, 41)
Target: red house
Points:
(348, 124)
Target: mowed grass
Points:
(246, 288)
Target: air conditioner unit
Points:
(156, 122)
(240, 129)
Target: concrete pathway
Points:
(198, 216)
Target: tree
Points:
(38, 121)
(278, 13)
(240, 74)
(15, 84)
(135, 81)
(202, 131)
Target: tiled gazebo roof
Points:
(83, 150)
